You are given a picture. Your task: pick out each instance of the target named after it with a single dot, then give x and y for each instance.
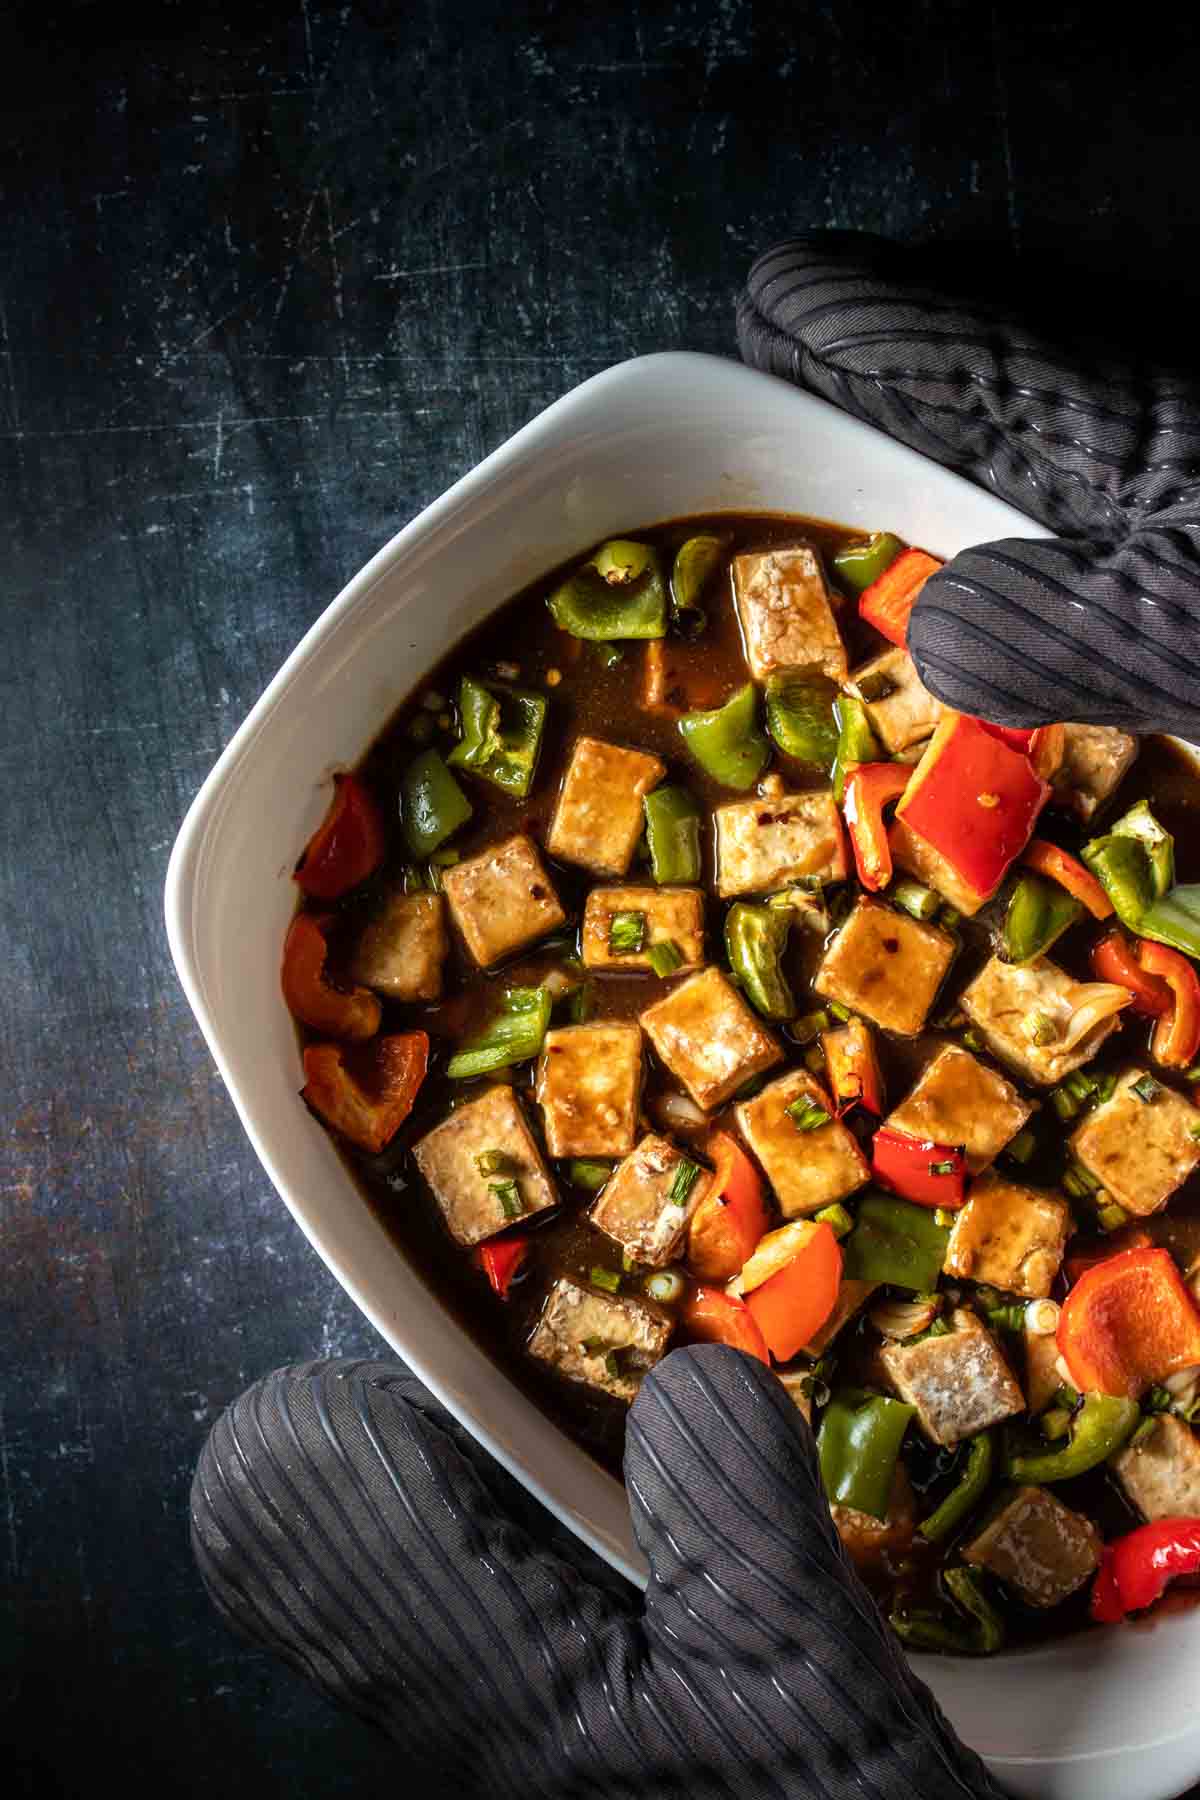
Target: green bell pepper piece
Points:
(1038, 914)
(501, 734)
(1175, 919)
(727, 742)
(858, 565)
(1100, 1426)
(673, 835)
(513, 1036)
(1122, 867)
(924, 1629)
(966, 1494)
(755, 940)
(696, 562)
(856, 741)
(896, 1242)
(618, 593)
(858, 1446)
(1140, 823)
(432, 805)
(800, 718)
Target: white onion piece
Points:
(1098, 1000)
(679, 1112)
(904, 1318)
(1041, 1317)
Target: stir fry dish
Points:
(675, 968)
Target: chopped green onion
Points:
(837, 1218)
(1022, 1146)
(809, 1027)
(944, 1216)
(1147, 1089)
(1080, 1083)
(494, 1162)
(509, 1196)
(1006, 1318)
(1074, 1185)
(949, 917)
(608, 1279)
(939, 1328)
(839, 1011)
(1064, 1104)
(666, 957)
(627, 932)
(1040, 1029)
(918, 901)
(1143, 1431)
(685, 1180)
(1112, 1217)
(589, 1175)
(972, 1041)
(666, 1285)
(943, 1168)
(805, 1114)
(1158, 1400)
(1106, 1087)
(1091, 1182)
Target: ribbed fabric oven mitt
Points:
(1099, 623)
(344, 1520)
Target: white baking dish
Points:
(1107, 1715)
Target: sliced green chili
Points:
(756, 938)
(665, 957)
(618, 593)
(858, 565)
(800, 718)
(1038, 914)
(727, 742)
(896, 1242)
(858, 1446)
(856, 741)
(1101, 1425)
(501, 734)
(965, 1496)
(512, 1036)
(673, 835)
(432, 805)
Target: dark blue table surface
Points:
(269, 283)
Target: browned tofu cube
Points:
(598, 819)
(671, 915)
(916, 856)
(1010, 1236)
(402, 949)
(767, 843)
(649, 1199)
(959, 1100)
(786, 618)
(1005, 1002)
(502, 899)
(886, 966)
(476, 1206)
(589, 1085)
(807, 1169)
(901, 709)
(1096, 759)
(960, 1383)
(1161, 1472)
(1038, 1546)
(709, 1038)
(1141, 1151)
(869, 1541)
(602, 1339)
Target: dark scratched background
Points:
(271, 277)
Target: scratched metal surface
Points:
(268, 285)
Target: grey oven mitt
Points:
(343, 1520)
(1099, 623)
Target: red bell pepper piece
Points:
(732, 1215)
(1113, 959)
(975, 800)
(790, 1307)
(853, 1067)
(369, 1102)
(1128, 1323)
(1043, 745)
(346, 847)
(501, 1260)
(1137, 1567)
(711, 1316)
(1047, 859)
(312, 999)
(869, 788)
(1176, 1036)
(888, 602)
(927, 1173)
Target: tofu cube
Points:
(1038, 1546)
(1161, 1472)
(764, 844)
(502, 899)
(1004, 997)
(1096, 759)
(786, 618)
(959, 1100)
(599, 819)
(1010, 1236)
(960, 1383)
(886, 966)
(915, 856)
(709, 1038)
(905, 712)
(1141, 1151)
(600, 1339)
(807, 1169)
(402, 949)
(869, 1540)
(673, 915)
(852, 1297)
(471, 1204)
(589, 1085)
(636, 1207)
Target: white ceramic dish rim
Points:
(629, 391)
